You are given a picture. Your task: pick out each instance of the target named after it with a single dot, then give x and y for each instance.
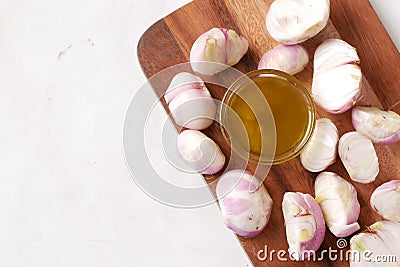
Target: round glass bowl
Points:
(267, 116)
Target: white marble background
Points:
(66, 196)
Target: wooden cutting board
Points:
(169, 40)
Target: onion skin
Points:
(320, 151)
(381, 238)
(221, 46)
(385, 200)
(292, 22)
(244, 212)
(358, 157)
(200, 152)
(305, 225)
(337, 77)
(382, 127)
(338, 201)
(190, 102)
(288, 58)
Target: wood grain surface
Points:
(169, 41)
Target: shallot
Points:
(338, 201)
(288, 58)
(222, 47)
(200, 152)
(379, 243)
(320, 151)
(385, 200)
(305, 225)
(190, 102)
(359, 157)
(245, 208)
(337, 76)
(293, 22)
(382, 127)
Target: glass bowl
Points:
(275, 103)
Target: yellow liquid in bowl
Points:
(289, 109)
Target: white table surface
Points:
(388, 12)
(66, 196)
